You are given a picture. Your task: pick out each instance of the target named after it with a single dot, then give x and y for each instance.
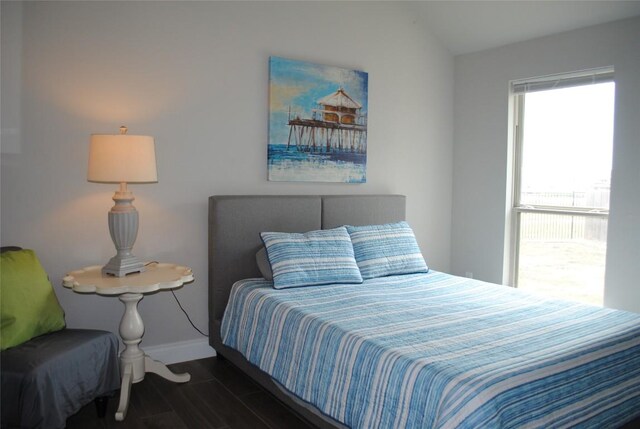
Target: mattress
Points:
(438, 351)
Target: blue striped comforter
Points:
(438, 351)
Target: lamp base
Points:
(121, 266)
(123, 227)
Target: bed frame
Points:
(235, 223)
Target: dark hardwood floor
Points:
(218, 396)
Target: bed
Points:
(494, 357)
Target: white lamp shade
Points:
(122, 158)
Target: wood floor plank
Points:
(146, 399)
(168, 420)
(234, 412)
(273, 411)
(218, 396)
(132, 420)
(184, 401)
(234, 379)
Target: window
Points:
(563, 145)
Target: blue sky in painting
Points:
(299, 85)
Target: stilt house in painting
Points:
(341, 128)
(339, 107)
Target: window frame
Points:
(518, 91)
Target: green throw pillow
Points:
(28, 304)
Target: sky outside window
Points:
(568, 141)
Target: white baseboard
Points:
(181, 351)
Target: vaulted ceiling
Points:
(471, 26)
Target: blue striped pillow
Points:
(313, 258)
(386, 250)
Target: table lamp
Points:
(122, 158)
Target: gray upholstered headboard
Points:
(235, 223)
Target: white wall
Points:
(195, 76)
(481, 150)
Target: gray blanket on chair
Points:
(49, 378)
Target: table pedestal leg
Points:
(133, 362)
(161, 369)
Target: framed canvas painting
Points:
(317, 123)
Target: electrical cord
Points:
(180, 305)
(186, 314)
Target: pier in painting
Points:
(335, 126)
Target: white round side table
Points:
(130, 290)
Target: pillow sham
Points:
(309, 259)
(386, 250)
(29, 306)
(263, 264)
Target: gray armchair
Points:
(50, 377)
